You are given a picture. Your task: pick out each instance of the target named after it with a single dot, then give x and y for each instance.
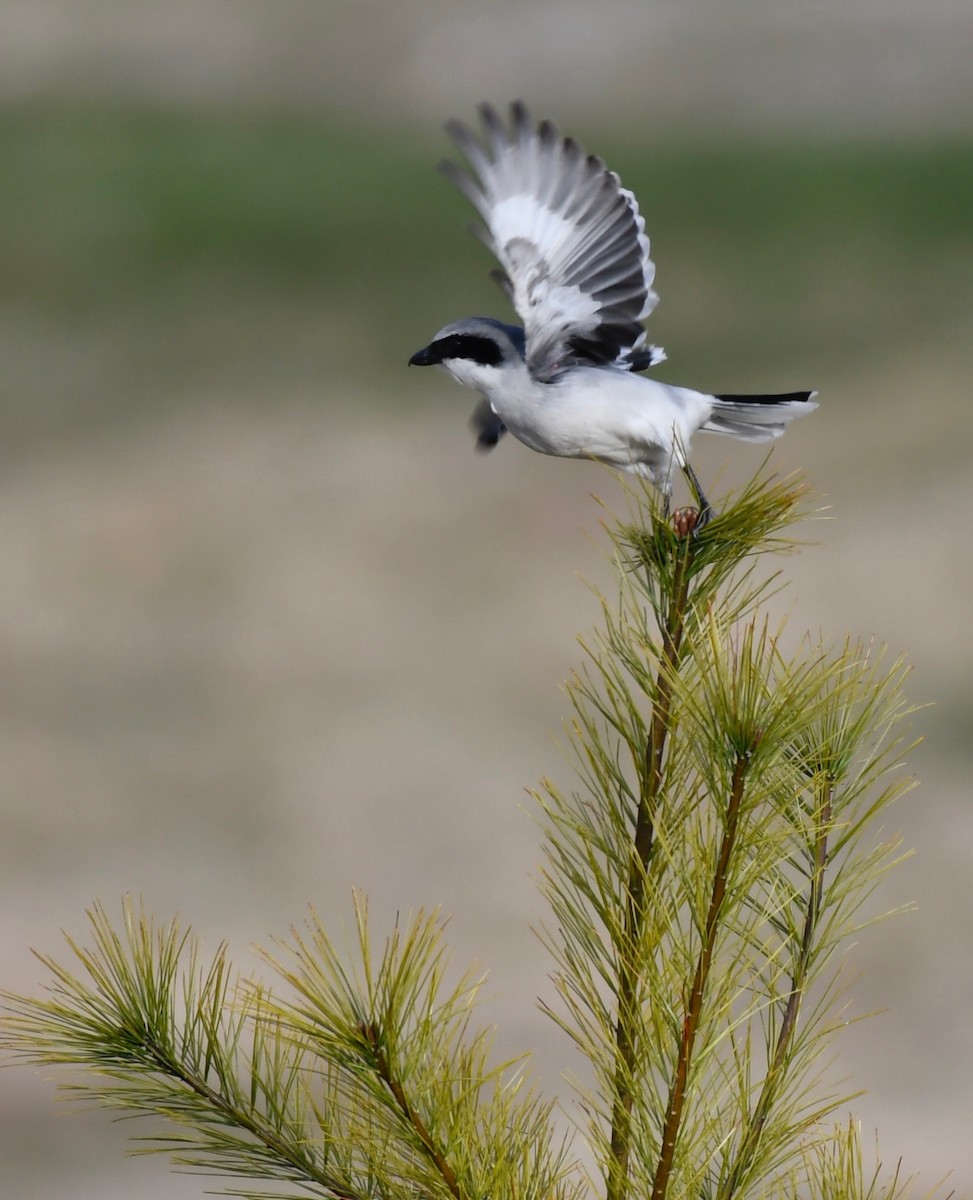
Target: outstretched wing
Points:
(571, 244)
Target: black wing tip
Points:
(492, 120)
(644, 358)
(493, 133)
(520, 116)
(451, 169)
(460, 134)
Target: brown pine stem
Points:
(755, 1124)
(166, 1064)
(432, 1151)
(677, 1091)
(629, 983)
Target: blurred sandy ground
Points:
(255, 655)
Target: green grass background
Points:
(144, 255)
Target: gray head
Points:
(474, 351)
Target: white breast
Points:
(604, 413)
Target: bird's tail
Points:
(758, 418)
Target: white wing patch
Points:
(526, 218)
(530, 241)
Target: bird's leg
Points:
(664, 483)
(705, 511)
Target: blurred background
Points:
(270, 629)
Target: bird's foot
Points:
(704, 514)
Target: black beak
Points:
(423, 358)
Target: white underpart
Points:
(628, 421)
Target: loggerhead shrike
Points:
(574, 261)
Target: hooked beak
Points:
(424, 358)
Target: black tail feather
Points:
(779, 398)
(758, 418)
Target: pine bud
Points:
(684, 521)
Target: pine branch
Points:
(754, 1124)
(415, 1122)
(399, 1105)
(121, 1022)
(672, 593)
(677, 1093)
(395, 1029)
(628, 857)
(630, 984)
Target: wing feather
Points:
(570, 241)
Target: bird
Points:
(574, 262)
